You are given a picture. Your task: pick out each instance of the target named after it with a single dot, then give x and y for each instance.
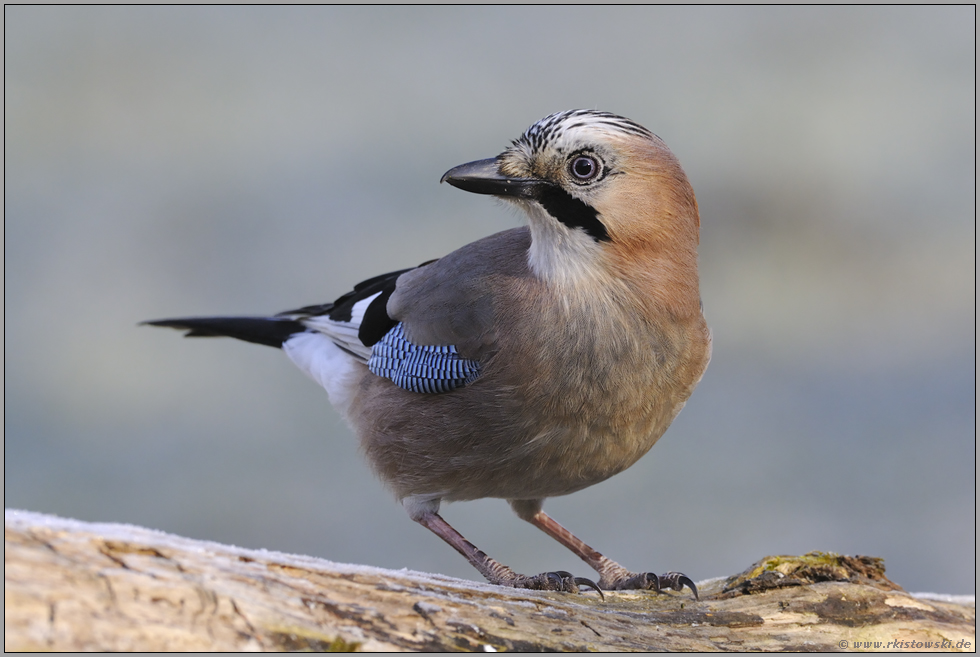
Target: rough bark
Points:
(70, 585)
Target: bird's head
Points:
(604, 197)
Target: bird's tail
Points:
(270, 331)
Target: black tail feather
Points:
(269, 331)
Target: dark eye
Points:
(585, 167)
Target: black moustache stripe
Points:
(572, 212)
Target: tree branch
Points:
(72, 586)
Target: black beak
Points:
(484, 177)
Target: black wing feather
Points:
(376, 322)
(273, 331)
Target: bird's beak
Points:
(484, 177)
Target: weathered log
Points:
(71, 585)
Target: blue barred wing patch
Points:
(420, 368)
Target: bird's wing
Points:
(429, 328)
(361, 324)
(459, 299)
(356, 321)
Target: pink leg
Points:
(493, 570)
(612, 576)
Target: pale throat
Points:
(567, 258)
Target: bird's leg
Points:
(493, 570)
(612, 576)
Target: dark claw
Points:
(677, 582)
(651, 581)
(642, 581)
(558, 577)
(581, 581)
(562, 580)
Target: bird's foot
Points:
(651, 582)
(559, 580)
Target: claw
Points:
(651, 581)
(560, 580)
(677, 582)
(581, 581)
(641, 581)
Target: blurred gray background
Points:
(183, 161)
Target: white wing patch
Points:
(329, 348)
(344, 333)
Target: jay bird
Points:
(532, 363)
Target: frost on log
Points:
(71, 585)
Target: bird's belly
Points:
(559, 461)
(495, 439)
(550, 414)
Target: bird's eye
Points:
(585, 168)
